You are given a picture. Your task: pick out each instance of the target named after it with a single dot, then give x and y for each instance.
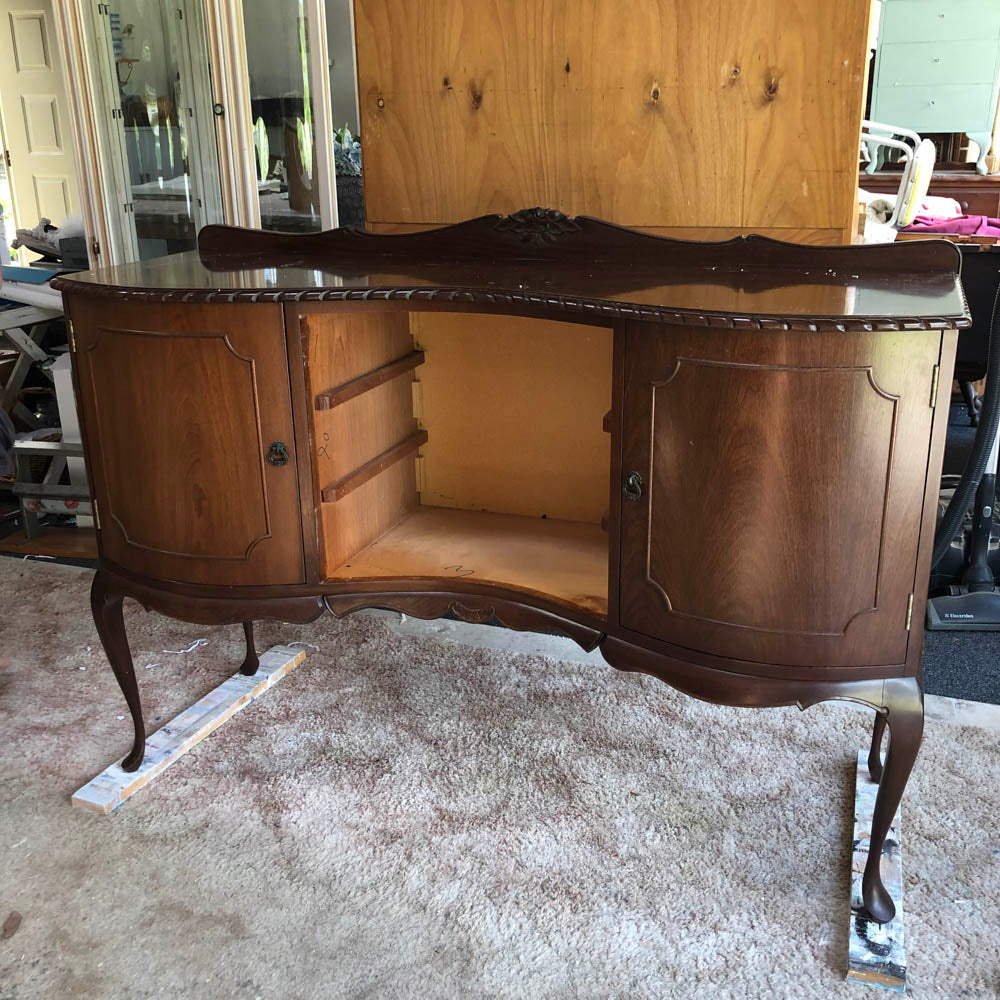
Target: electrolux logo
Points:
(948, 614)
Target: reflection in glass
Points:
(278, 58)
(150, 45)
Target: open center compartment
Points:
(455, 446)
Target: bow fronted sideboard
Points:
(718, 463)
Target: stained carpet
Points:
(405, 817)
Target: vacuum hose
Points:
(989, 423)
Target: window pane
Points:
(278, 60)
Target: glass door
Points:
(284, 117)
(155, 79)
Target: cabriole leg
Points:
(106, 604)
(904, 702)
(251, 663)
(875, 753)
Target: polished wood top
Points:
(539, 262)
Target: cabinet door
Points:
(782, 490)
(181, 404)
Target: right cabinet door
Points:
(773, 489)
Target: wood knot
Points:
(476, 97)
(771, 88)
(380, 101)
(567, 65)
(655, 93)
(447, 82)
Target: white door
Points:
(34, 115)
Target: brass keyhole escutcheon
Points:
(633, 486)
(277, 454)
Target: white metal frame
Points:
(908, 150)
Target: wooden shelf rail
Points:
(361, 475)
(342, 393)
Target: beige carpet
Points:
(415, 818)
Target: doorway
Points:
(37, 175)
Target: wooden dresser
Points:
(717, 463)
(937, 69)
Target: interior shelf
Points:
(565, 561)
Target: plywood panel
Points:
(558, 560)
(514, 409)
(676, 114)
(805, 71)
(348, 525)
(341, 346)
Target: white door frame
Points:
(324, 177)
(227, 55)
(105, 239)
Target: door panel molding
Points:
(264, 529)
(723, 565)
(694, 362)
(183, 406)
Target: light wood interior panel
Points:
(348, 525)
(560, 560)
(341, 346)
(514, 409)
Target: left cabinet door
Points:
(181, 405)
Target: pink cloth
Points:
(964, 225)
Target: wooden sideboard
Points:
(717, 463)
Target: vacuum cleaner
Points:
(966, 560)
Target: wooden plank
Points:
(341, 346)
(51, 492)
(25, 343)
(360, 476)
(334, 397)
(53, 449)
(168, 744)
(875, 953)
(472, 106)
(54, 542)
(26, 316)
(562, 560)
(481, 389)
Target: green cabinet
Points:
(937, 68)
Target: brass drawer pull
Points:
(277, 454)
(633, 486)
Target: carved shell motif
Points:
(537, 225)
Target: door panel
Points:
(783, 480)
(34, 115)
(181, 405)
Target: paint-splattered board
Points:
(876, 955)
(168, 744)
